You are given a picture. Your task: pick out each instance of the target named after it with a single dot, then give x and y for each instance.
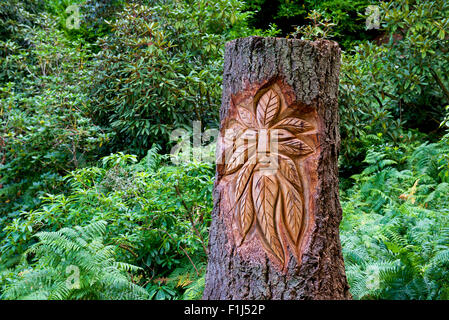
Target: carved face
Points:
(261, 146)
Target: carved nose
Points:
(263, 146)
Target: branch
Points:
(440, 83)
(378, 101)
(2, 150)
(389, 95)
(189, 214)
(127, 248)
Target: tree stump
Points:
(275, 223)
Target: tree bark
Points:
(277, 236)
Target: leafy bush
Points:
(398, 84)
(93, 16)
(161, 68)
(134, 71)
(288, 14)
(157, 216)
(45, 129)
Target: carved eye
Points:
(249, 136)
(231, 134)
(281, 134)
(247, 117)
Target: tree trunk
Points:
(275, 223)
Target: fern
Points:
(73, 263)
(395, 230)
(195, 289)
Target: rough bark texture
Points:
(307, 73)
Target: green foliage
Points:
(401, 83)
(321, 27)
(73, 263)
(45, 129)
(290, 14)
(418, 64)
(195, 289)
(93, 17)
(157, 214)
(15, 14)
(395, 230)
(161, 68)
(136, 70)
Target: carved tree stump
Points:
(275, 224)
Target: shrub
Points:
(158, 216)
(45, 129)
(288, 14)
(161, 68)
(399, 84)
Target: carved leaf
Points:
(267, 108)
(226, 142)
(294, 125)
(247, 117)
(245, 213)
(243, 178)
(265, 192)
(293, 213)
(238, 157)
(272, 204)
(294, 147)
(288, 169)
